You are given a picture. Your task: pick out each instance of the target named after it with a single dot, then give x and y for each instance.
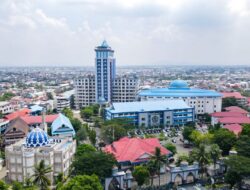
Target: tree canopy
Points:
(141, 175)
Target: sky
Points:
(142, 32)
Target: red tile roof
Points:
(38, 119)
(236, 109)
(234, 120)
(133, 149)
(227, 114)
(235, 128)
(236, 95)
(16, 114)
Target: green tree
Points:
(17, 186)
(40, 175)
(81, 134)
(3, 185)
(86, 113)
(141, 175)
(99, 163)
(243, 146)
(187, 131)
(238, 168)
(245, 130)
(230, 101)
(68, 113)
(83, 182)
(76, 123)
(84, 148)
(197, 138)
(215, 153)
(152, 168)
(159, 160)
(92, 137)
(183, 157)
(225, 139)
(171, 147)
(112, 133)
(202, 156)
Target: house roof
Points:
(38, 119)
(36, 108)
(236, 109)
(16, 114)
(227, 114)
(62, 125)
(236, 95)
(235, 128)
(234, 120)
(134, 149)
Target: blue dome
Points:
(36, 138)
(178, 84)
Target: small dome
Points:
(178, 84)
(36, 138)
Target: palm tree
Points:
(202, 156)
(40, 175)
(152, 170)
(215, 153)
(159, 161)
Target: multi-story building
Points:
(22, 156)
(105, 72)
(6, 107)
(152, 113)
(84, 91)
(64, 100)
(203, 101)
(125, 88)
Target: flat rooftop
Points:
(147, 106)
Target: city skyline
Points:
(143, 33)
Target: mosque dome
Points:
(178, 84)
(36, 138)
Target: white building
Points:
(204, 101)
(64, 101)
(125, 89)
(6, 107)
(84, 91)
(22, 156)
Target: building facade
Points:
(203, 101)
(22, 156)
(84, 91)
(152, 113)
(104, 72)
(125, 88)
(6, 107)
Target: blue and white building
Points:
(152, 113)
(203, 101)
(105, 72)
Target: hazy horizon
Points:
(59, 33)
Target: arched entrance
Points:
(190, 178)
(114, 185)
(178, 180)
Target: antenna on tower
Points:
(44, 124)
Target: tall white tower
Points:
(105, 72)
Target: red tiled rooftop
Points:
(234, 120)
(227, 114)
(235, 128)
(236, 109)
(131, 149)
(16, 114)
(236, 95)
(38, 119)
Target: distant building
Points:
(105, 71)
(6, 107)
(84, 91)
(125, 88)
(241, 100)
(203, 101)
(22, 156)
(152, 113)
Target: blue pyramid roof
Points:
(62, 126)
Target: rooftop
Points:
(227, 114)
(234, 120)
(236, 109)
(160, 105)
(38, 119)
(236, 95)
(16, 114)
(235, 128)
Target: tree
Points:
(17, 186)
(152, 168)
(243, 146)
(171, 147)
(83, 182)
(68, 113)
(141, 175)
(81, 134)
(3, 185)
(92, 137)
(245, 130)
(225, 139)
(86, 113)
(159, 160)
(187, 131)
(76, 123)
(183, 157)
(112, 133)
(84, 148)
(230, 101)
(215, 153)
(202, 156)
(197, 137)
(40, 175)
(238, 168)
(99, 163)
